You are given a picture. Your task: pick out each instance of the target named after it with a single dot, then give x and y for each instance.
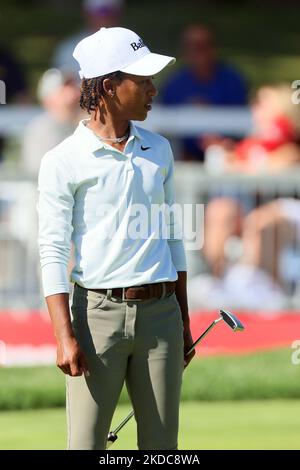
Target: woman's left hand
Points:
(188, 342)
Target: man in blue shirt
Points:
(204, 80)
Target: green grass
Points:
(223, 425)
(267, 375)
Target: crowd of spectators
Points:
(241, 271)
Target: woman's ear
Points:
(109, 87)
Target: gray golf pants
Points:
(140, 343)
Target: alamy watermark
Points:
(2, 92)
(155, 221)
(296, 94)
(295, 358)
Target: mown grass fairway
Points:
(267, 424)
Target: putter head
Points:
(233, 322)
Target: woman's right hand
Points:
(70, 358)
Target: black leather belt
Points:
(141, 293)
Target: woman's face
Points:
(134, 96)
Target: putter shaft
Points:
(228, 318)
(112, 437)
(203, 335)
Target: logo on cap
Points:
(135, 46)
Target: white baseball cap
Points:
(112, 49)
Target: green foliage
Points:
(268, 375)
(31, 387)
(261, 40)
(264, 375)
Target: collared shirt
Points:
(97, 196)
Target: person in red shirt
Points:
(273, 147)
(274, 143)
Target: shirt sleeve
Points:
(55, 209)
(174, 223)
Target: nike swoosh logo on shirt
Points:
(145, 148)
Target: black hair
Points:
(92, 90)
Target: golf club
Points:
(230, 320)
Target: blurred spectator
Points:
(273, 147)
(97, 14)
(59, 95)
(262, 264)
(223, 222)
(13, 77)
(15, 86)
(274, 144)
(242, 287)
(271, 241)
(204, 80)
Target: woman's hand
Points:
(188, 342)
(70, 358)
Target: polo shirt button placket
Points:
(129, 162)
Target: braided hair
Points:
(92, 90)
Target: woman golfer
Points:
(129, 306)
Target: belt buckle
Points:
(124, 299)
